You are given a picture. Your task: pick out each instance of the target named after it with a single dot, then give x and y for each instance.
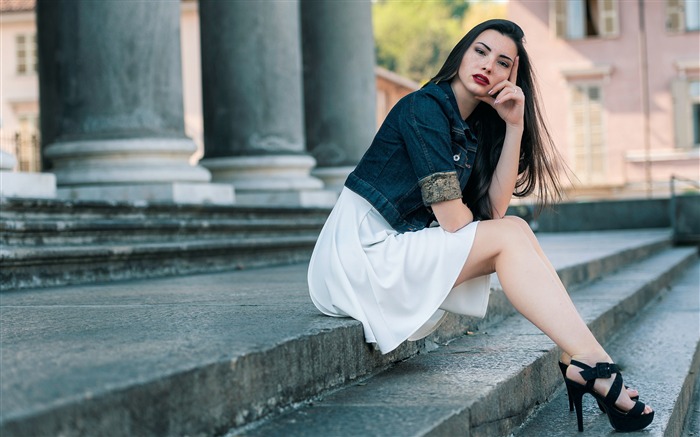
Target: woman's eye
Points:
(504, 64)
(479, 51)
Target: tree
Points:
(413, 38)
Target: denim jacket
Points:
(422, 154)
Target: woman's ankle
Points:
(592, 358)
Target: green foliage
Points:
(413, 38)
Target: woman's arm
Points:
(510, 105)
(506, 173)
(452, 215)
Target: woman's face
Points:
(487, 62)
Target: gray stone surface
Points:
(111, 94)
(339, 80)
(48, 243)
(252, 101)
(685, 210)
(478, 385)
(251, 81)
(681, 213)
(692, 424)
(24, 184)
(109, 70)
(660, 356)
(202, 353)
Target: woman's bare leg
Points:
(533, 287)
(565, 358)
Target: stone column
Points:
(252, 102)
(339, 85)
(112, 118)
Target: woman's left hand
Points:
(509, 101)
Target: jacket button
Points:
(456, 157)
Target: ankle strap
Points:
(601, 370)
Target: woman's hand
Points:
(509, 101)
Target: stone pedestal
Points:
(339, 85)
(272, 180)
(21, 184)
(252, 102)
(111, 102)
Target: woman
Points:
(420, 224)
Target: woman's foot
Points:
(566, 359)
(602, 385)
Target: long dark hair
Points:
(539, 159)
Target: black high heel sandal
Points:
(632, 420)
(563, 368)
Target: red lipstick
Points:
(481, 79)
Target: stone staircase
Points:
(245, 353)
(54, 242)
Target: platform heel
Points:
(622, 421)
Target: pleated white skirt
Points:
(399, 286)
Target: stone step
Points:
(45, 243)
(16, 209)
(659, 352)
(200, 354)
(49, 266)
(483, 384)
(147, 230)
(25, 222)
(691, 428)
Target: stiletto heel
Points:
(576, 392)
(563, 368)
(624, 421)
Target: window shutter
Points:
(675, 18)
(557, 17)
(609, 24)
(681, 113)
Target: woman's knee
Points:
(508, 229)
(522, 224)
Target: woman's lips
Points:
(480, 79)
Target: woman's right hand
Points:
(510, 100)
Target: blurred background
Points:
(619, 79)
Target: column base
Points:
(305, 198)
(32, 185)
(333, 177)
(271, 180)
(134, 161)
(173, 192)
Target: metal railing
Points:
(25, 148)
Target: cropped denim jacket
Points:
(422, 154)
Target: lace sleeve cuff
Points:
(439, 187)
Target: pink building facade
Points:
(621, 89)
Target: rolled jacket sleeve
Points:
(426, 132)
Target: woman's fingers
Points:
(514, 71)
(502, 90)
(509, 92)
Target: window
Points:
(26, 53)
(578, 19)
(686, 112)
(682, 15)
(587, 135)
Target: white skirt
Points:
(399, 286)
